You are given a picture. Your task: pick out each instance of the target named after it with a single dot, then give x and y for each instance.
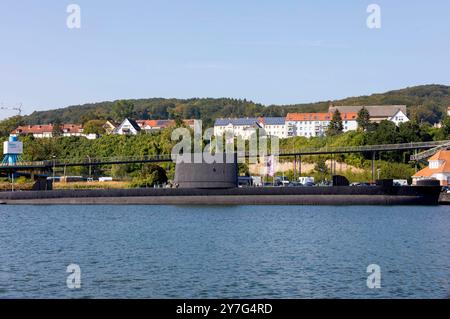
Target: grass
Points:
(6, 186)
(92, 185)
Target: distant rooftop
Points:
(374, 110)
(250, 121)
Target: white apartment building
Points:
(274, 126)
(316, 124)
(246, 127)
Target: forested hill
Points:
(426, 103)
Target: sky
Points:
(270, 52)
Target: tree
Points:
(321, 168)
(94, 127)
(10, 124)
(122, 109)
(150, 176)
(335, 127)
(363, 119)
(446, 126)
(57, 130)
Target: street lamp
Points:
(12, 181)
(90, 168)
(54, 166)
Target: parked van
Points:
(306, 180)
(400, 182)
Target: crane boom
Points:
(17, 108)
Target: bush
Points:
(151, 175)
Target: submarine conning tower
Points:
(218, 174)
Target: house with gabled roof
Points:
(128, 127)
(110, 126)
(378, 113)
(438, 168)
(48, 130)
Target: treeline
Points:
(426, 103)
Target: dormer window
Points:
(435, 164)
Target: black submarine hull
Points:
(316, 195)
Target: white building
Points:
(274, 126)
(246, 127)
(316, 124)
(48, 131)
(128, 127)
(378, 113)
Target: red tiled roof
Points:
(47, 128)
(444, 168)
(34, 129)
(319, 116)
(71, 128)
(155, 123)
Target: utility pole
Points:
(373, 166)
(90, 168)
(54, 167)
(295, 167)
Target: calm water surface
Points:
(232, 252)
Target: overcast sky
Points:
(272, 52)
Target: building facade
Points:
(246, 127)
(316, 124)
(128, 127)
(378, 113)
(274, 126)
(48, 131)
(110, 126)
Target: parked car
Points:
(360, 184)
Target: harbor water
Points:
(224, 251)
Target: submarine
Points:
(217, 184)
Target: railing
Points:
(429, 153)
(363, 148)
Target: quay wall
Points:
(444, 199)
